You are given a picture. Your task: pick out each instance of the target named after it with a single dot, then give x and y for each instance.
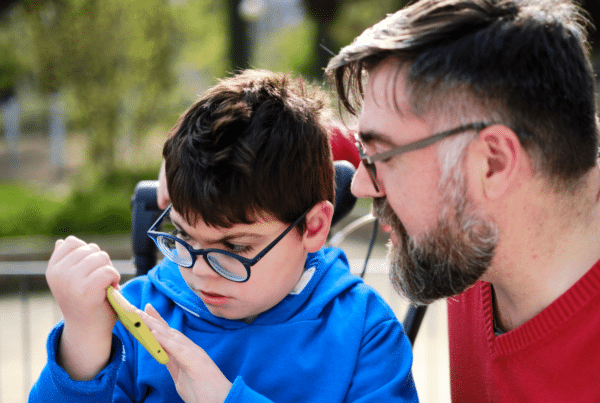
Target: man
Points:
(478, 136)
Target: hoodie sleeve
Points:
(55, 385)
(241, 393)
(383, 368)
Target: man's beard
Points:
(449, 258)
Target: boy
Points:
(246, 303)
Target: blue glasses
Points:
(369, 161)
(227, 264)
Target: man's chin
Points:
(423, 286)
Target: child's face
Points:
(271, 279)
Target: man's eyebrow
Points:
(370, 136)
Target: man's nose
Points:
(362, 185)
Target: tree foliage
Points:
(116, 56)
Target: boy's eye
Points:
(230, 247)
(179, 234)
(237, 249)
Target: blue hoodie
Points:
(332, 340)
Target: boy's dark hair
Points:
(253, 144)
(524, 62)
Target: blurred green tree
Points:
(11, 67)
(116, 56)
(338, 22)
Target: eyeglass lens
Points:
(369, 166)
(373, 174)
(227, 266)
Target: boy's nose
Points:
(362, 185)
(202, 269)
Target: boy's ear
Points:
(318, 223)
(498, 153)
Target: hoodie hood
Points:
(325, 277)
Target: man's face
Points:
(440, 243)
(448, 258)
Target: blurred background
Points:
(90, 88)
(88, 92)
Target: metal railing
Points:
(27, 316)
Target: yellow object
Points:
(132, 321)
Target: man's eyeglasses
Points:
(227, 264)
(369, 161)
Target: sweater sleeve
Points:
(55, 385)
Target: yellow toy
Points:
(132, 321)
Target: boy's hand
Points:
(78, 275)
(196, 376)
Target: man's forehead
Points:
(386, 106)
(386, 87)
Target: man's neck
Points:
(551, 245)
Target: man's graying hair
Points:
(524, 63)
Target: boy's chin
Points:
(231, 316)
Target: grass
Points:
(103, 208)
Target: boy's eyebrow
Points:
(217, 241)
(176, 224)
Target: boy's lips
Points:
(213, 299)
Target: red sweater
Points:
(554, 357)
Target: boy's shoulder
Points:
(340, 283)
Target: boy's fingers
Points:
(149, 309)
(185, 354)
(88, 256)
(154, 324)
(67, 248)
(103, 277)
(173, 368)
(56, 253)
(63, 247)
(153, 313)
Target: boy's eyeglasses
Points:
(227, 264)
(369, 161)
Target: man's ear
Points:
(497, 157)
(318, 223)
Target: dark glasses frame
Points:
(369, 161)
(247, 263)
